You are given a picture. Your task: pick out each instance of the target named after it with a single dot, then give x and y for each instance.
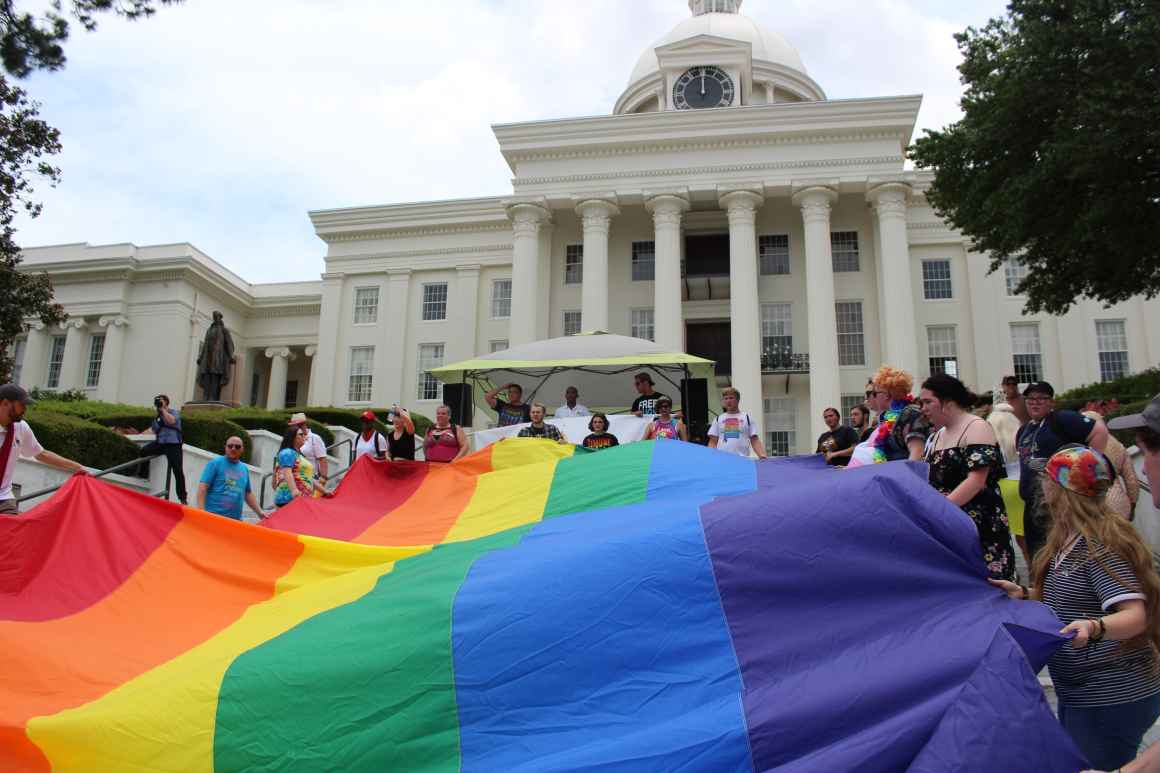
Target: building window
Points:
(781, 418)
(574, 264)
(501, 298)
(18, 359)
(936, 280)
(773, 251)
(776, 329)
(644, 261)
(498, 345)
(942, 348)
(1025, 346)
(844, 246)
(1112, 345)
(362, 361)
(571, 322)
(96, 353)
(366, 305)
(1015, 272)
(430, 357)
(291, 396)
(642, 325)
(255, 383)
(55, 360)
(848, 403)
(851, 341)
(435, 302)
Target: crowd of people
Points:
(1055, 484)
(1073, 488)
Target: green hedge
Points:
(201, 430)
(272, 421)
(1139, 386)
(83, 441)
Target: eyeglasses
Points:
(233, 445)
(1036, 399)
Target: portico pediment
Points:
(705, 49)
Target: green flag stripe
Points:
(303, 701)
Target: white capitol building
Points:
(726, 208)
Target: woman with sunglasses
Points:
(293, 472)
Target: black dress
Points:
(404, 447)
(948, 468)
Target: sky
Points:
(223, 123)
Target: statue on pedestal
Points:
(214, 359)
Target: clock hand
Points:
(702, 84)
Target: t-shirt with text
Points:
(646, 404)
(603, 440)
(1037, 440)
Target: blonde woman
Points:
(1006, 425)
(1096, 574)
(1126, 490)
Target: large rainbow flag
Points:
(653, 607)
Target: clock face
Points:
(703, 87)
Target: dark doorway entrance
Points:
(712, 341)
(707, 255)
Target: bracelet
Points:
(1103, 629)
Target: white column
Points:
(109, 387)
(464, 315)
(526, 222)
(34, 369)
(596, 216)
(72, 369)
(276, 392)
(391, 375)
(899, 347)
(744, 309)
(311, 353)
(825, 387)
(328, 366)
(668, 319)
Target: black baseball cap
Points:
(1039, 386)
(16, 394)
(1149, 417)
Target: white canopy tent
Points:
(601, 365)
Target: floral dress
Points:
(948, 468)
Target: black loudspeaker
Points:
(695, 404)
(458, 398)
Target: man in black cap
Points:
(1147, 426)
(17, 440)
(1046, 432)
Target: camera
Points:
(157, 403)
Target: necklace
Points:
(1058, 559)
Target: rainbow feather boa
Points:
(886, 426)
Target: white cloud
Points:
(222, 123)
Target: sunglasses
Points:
(233, 445)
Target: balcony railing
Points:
(775, 361)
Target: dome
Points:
(768, 46)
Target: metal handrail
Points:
(350, 453)
(102, 473)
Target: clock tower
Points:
(717, 58)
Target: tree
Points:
(1056, 161)
(28, 44)
(24, 142)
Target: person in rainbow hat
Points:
(1096, 574)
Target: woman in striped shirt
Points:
(1097, 576)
